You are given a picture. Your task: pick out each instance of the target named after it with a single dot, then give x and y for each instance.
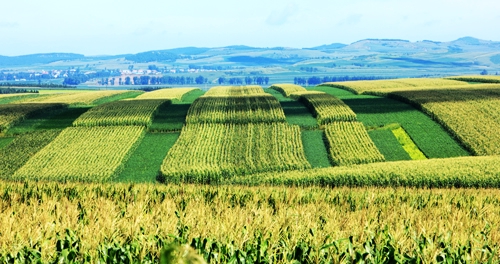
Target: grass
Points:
(374, 111)
(145, 162)
(190, 97)
(296, 113)
(388, 145)
(314, 148)
(4, 141)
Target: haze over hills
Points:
(368, 57)
(464, 51)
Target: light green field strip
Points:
(83, 154)
(408, 144)
(170, 93)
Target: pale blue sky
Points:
(112, 27)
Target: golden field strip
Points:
(82, 98)
(94, 154)
(325, 107)
(418, 225)
(235, 90)
(209, 152)
(235, 109)
(287, 89)
(360, 87)
(170, 93)
(121, 113)
(477, 78)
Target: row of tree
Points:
(259, 80)
(315, 80)
(13, 91)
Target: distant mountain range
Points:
(463, 52)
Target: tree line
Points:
(315, 80)
(14, 91)
(259, 80)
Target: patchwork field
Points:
(338, 173)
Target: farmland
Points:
(309, 174)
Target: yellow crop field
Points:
(11, 114)
(82, 154)
(121, 113)
(287, 89)
(14, 95)
(360, 87)
(349, 144)
(235, 90)
(98, 222)
(235, 109)
(83, 98)
(210, 152)
(325, 107)
(169, 93)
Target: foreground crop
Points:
(101, 222)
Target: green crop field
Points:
(242, 174)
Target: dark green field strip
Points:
(315, 149)
(21, 149)
(59, 119)
(169, 117)
(4, 141)
(388, 145)
(296, 113)
(376, 111)
(144, 163)
(127, 95)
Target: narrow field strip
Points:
(235, 90)
(235, 109)
(408, 144)
(326, 108)
(121, 113)
(83, 154)
(168, 93)
(145, 162)
(461, 172)
(349, 143)
(77, 98)
(287, 89)
(295, 112)
(314, 148)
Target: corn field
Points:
(207, 153)
(228, 224)
(82, 154)
(287, 89)
(121, 113)
(326, 108)
(235, 109)
(350, 144)
(235, 90)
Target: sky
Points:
(111, 27)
